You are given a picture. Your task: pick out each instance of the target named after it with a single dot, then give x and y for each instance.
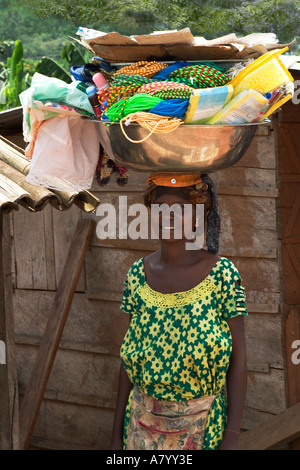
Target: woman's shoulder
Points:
(226, 262)
(226, 268)
(136, 267)
(217, 262)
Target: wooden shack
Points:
(260, 210)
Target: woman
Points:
(182, 381)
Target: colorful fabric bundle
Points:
(171, 108)
(167, 90)
(132, 90)
(136, 103)
(200, 76)
(144, 68)
(165, 73)
(103, 98)
(106, 167)
(126, 85)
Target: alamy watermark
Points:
(296, 354)
(296, 96)
(135, 221)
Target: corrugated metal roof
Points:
(16, 191)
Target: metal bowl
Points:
(189, 148)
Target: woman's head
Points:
(187, 189)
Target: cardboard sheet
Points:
(178, 45)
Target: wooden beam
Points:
(9, 415)
(278, 430)
(54, 329)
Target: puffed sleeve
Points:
(233, 294)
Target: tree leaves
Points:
(51, 68)
(14, 79)
(208, 18)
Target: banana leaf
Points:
(51, 68)
(73, 55)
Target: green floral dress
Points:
(178, 345)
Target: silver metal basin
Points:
(189, 148)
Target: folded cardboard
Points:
(178, 45)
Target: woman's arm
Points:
(236, 383)
(124, 388)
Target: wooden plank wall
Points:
(78, 406)
(288, 130)
(9, 404)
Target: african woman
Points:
(183, 379)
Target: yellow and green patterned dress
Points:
(178, 345)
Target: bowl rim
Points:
(211, 126)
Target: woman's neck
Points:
(176, 253)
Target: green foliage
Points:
(75, 54)
(6, 50)
(17, 73)
(209, 18)
(71, 55)
(51, 68)
(15, 79)
(276, 16)
(39, 37)
(77, 10)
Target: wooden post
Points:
(9, 412)
(277, 430)
(54, 329)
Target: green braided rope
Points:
(221, 69)
(123, 84)
(200, 76)
(173, 94)
(116, 111)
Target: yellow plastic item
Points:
(264, 75)
(276, 106)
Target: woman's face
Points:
(173, 217)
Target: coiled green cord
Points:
(136, 103)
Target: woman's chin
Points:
(169, 234)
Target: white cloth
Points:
(65, 155)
